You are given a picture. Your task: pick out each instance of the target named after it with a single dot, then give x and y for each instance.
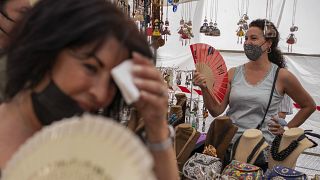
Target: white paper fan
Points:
(81, 148)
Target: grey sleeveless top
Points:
(248, 103)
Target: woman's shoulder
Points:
(285, 74)
(232, 71)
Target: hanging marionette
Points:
(156, 28)
(216, 30)
(243, 7)
(204, 28)
(240, 34)
(149, 32)
(210, 29)
(213, 29)
(182, 30)
(189, 34)
(183, 34)
(292, 38)
(166, 32)
(290, 41)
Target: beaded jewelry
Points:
(280, 156)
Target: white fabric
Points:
(123, 78)
(286, 105)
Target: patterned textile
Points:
(202, 166)
(280, 172)
(240, 170)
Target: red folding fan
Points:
(210, 63)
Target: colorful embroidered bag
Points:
(279, 172)
(241, 170)
(202, 166)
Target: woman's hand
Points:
(153, 102)
(199, 80)
(274, 127)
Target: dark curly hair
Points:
(275, 55)
(53, 25)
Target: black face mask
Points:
(53, 105)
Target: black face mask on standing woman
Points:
(53, 105)
(253, 52)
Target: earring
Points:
(269, 50)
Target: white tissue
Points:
(123, 78)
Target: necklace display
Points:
(280, 156)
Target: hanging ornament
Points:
(195, 106)
(184, 35)
(157, 23)
(292, 38)
(156, 28)
(125, 8)
(187, 82)
(189, 23)
(149, 31)
(185, 30)
(166, 32)
(216, 30)
(269, 30)
(245, 25)
(204, 28)
(245, 16)
(138, 16)
(166, 23)
(178, 78)
(240, 33)
(182, 21)
(243, 6)
(210, 29)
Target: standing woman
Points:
(59, 63)
(250, 86)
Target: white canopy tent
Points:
(303, 62)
